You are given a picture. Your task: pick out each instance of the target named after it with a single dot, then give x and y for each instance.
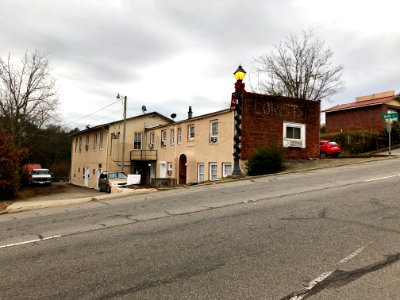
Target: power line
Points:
(91, 113)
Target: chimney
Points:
(190, 113)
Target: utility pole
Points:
(123, 134)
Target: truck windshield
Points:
(40, 172)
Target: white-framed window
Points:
(213, 131)
(172, 136)
(95, 142)
(137, 141)
(80, 144)
(294, 135)
(200, 172)
(101, 140)
(152, 139)
(191, 132)
(163, 138)
(179, 135)
(213, 171)
(76, 144)
(226, 169)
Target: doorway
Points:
(182, 169)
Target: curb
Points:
(31, 205)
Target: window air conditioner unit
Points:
(295, 143)
(151, 145)
(163, 143)
(169, 172)
(213, 139)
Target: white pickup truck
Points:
(40, 176)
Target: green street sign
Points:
(392, 115)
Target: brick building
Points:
(362, 115)
(288, 122)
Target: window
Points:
(101, 141)
(213, 171)
(87, 143)
(95, 142)
(151, 144)
(163, 138)
(80, 144)
(76, 144)
(172, 136)
(213, 131)
(179, 137)
(200, 172)
(226, 169)
(191, 132)
(169, 168)
(137, 141)
(294, 135)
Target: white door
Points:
(86, 177)
(98, 172)
(163, 169)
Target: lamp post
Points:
(239, 88)
(123, 134)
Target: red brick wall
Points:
(356, 119)
(262, 123)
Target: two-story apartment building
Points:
(99, 148)
(193, 150)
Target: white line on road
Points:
(31, 241)
(325, 275)
(381, 178)
(352, 255)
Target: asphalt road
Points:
(323, 234)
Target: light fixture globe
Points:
(239, 73)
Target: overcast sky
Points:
(172, 54)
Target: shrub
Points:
(265, 161)
(10, 158)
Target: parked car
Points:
(329, 148)
(112, 179)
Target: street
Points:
(322, 234)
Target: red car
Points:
(329, 148)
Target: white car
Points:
(112, 179)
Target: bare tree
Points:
(299, 68)
(28, 98)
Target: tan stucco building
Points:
(100, 148)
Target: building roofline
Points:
(360, 104)
(216, 113)
(118, 121)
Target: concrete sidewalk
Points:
(291, 166)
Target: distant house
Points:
(199, 148)
(362, 115)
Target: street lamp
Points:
(123, 134)
(239, 89)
